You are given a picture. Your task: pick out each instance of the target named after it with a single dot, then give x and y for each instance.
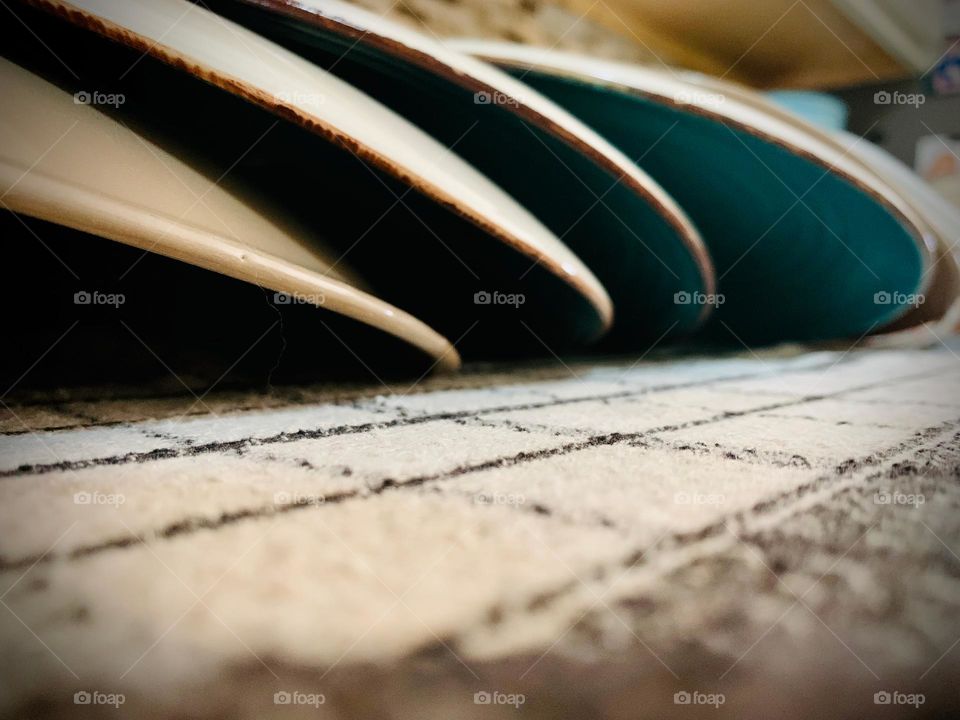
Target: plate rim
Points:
(477, 76)
(865, 180)
(852, 146)
(32, 190)
(572, 271)
(33, 195)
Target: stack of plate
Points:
(447, 198)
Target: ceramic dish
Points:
(65, 162)
(942, 298)
(628, 231)
(449, 201)
(935, 215)
(804, 238)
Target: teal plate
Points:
(631, 234)
(807, 245)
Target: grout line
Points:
(190, 525)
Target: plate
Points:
(620, 222)
(808, 244)
(941, 304)
(62, 161)
(935, 215)
(460, 234)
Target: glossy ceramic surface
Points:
(804, 238)
(471, 209)
(630, 232)
(64, 162)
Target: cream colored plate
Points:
(245, 64)
(69, 164)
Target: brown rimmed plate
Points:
(629, 232)
(63, 162)
(431, 234)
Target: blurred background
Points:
(888, 70)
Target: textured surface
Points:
(773, 528)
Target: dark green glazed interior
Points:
(836, 263)
(633, 250)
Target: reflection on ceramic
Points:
(804, 238)
(628, 231)
(234, 59)
(67, 163)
